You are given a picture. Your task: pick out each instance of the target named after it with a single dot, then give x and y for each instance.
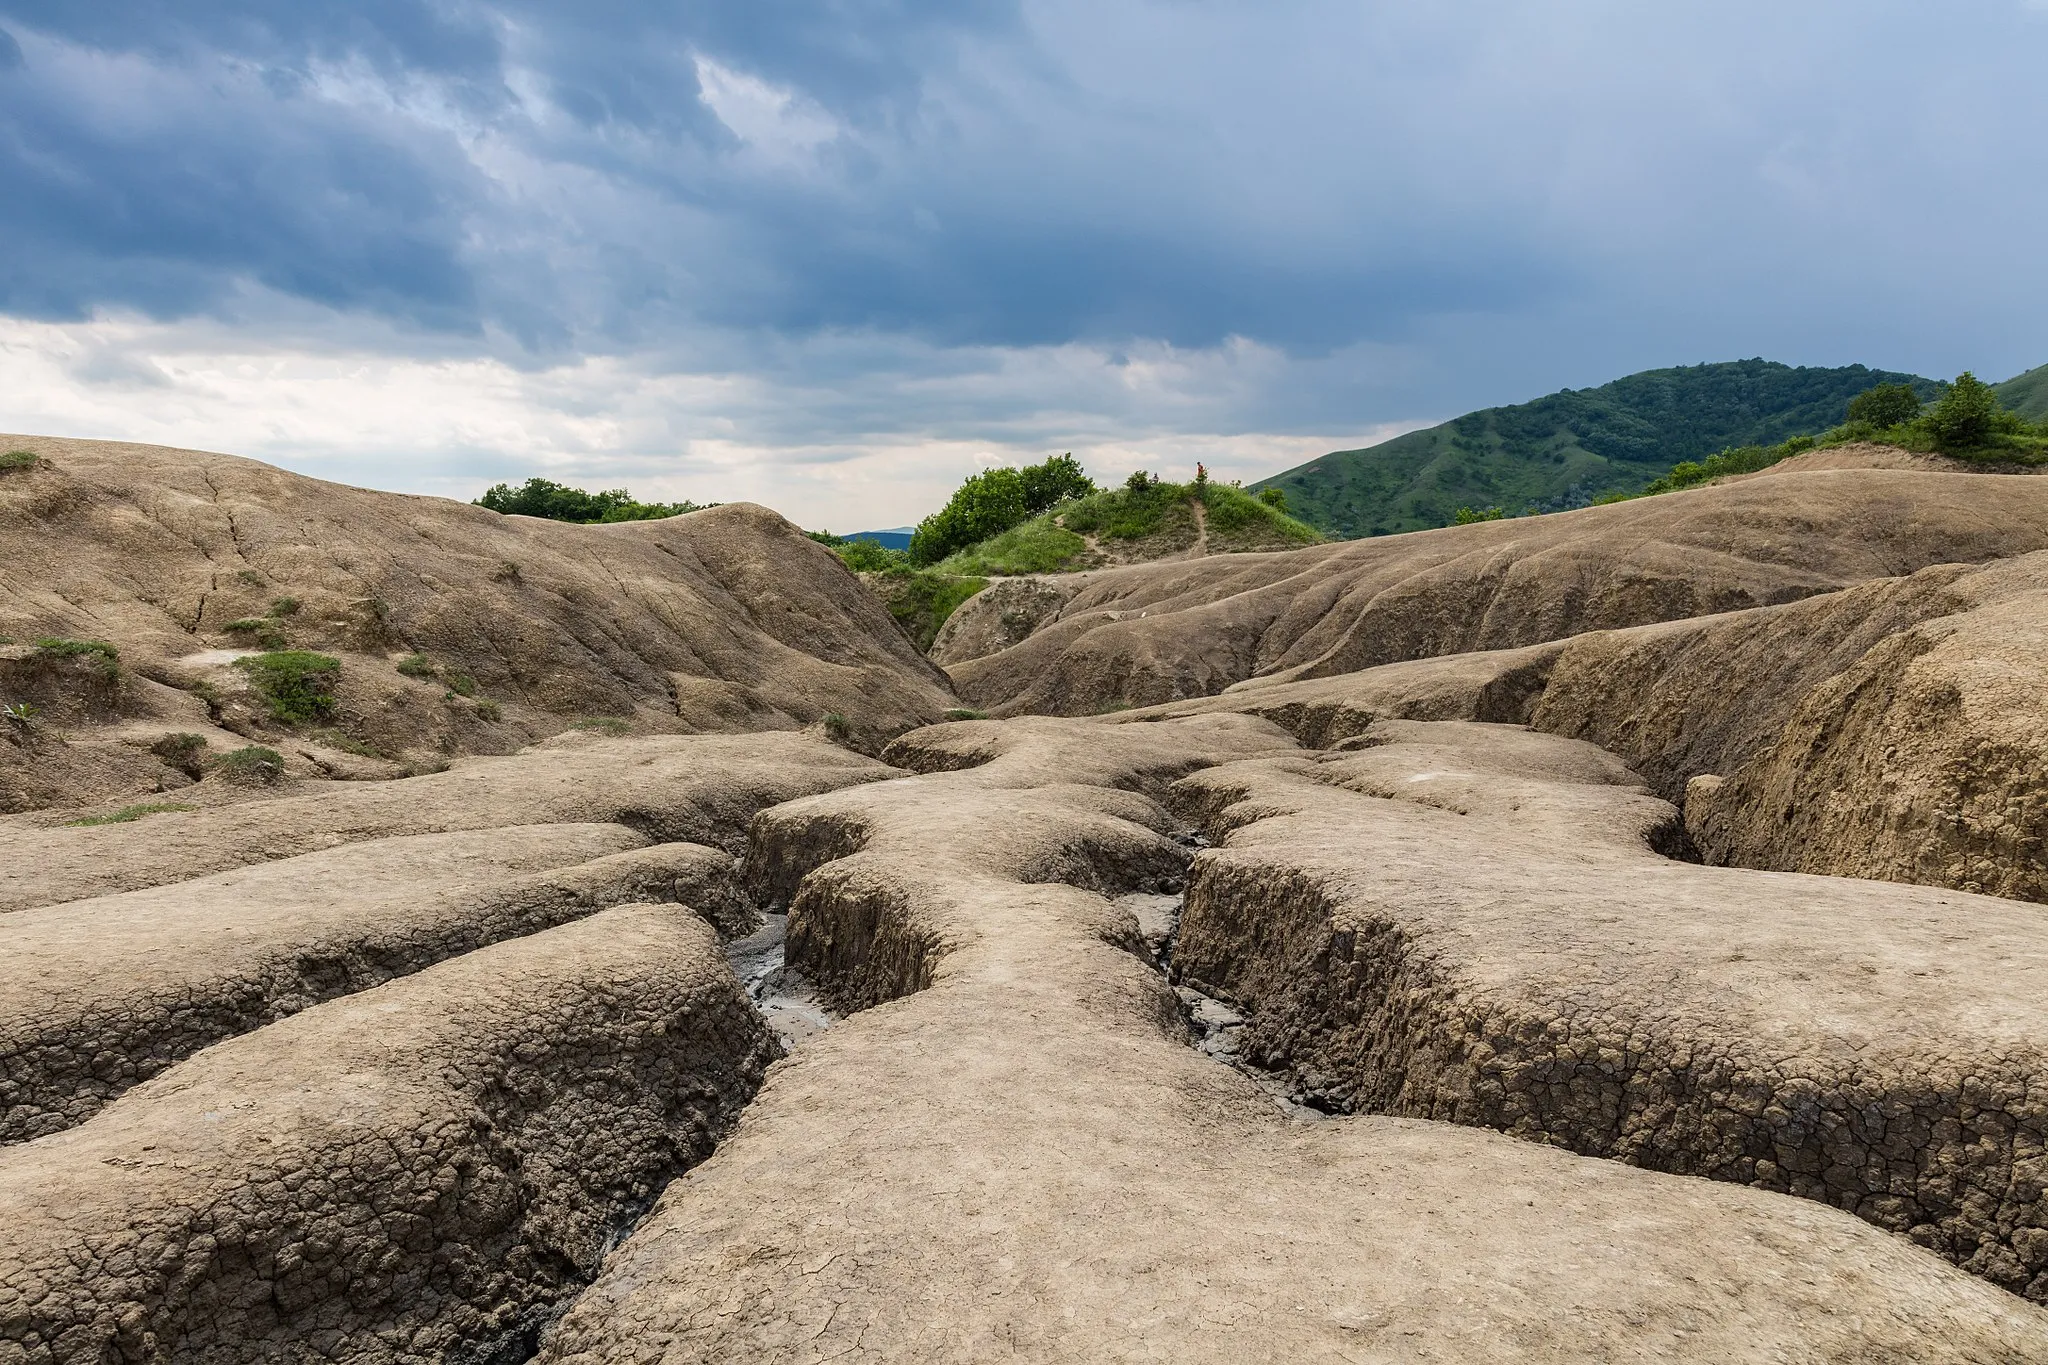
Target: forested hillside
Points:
(2027, 394)
(1563, 450)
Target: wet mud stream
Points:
(783, 994)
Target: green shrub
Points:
(837, 726)
(608, 725)
(250, 577)
(1466, 516)
(965, 713)
(1965, 417)
(1052, 482)
(127, 813)
(418, 666)
(1887, 405)
(1273, 498)
(490, 710)
(922, 599)
(17, 459)
(298, 684)
(870, 556)
(253, 764)
(285, 606)
(462, 684)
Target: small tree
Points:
(1887, 405)
(1052, 482)
(1140, 482)
(1273, 498)
(986, 504)
(1965, 416)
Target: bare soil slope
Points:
(723, 620)
(1156, 633)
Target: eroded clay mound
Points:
(1469, 923)
(419, 1172)
(722, 620)
(98, 995)
(1158, 633)
(1014, 1154)
(698, 789)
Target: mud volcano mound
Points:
(1611, 936)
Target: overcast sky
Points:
(833, 256)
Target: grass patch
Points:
(254, 765)
(181, 751)
(490, 710)
(604, 725)
(259, 631)
(922, 599)
(349, 744)
(298, 684)
(1040, 545)
(127, 813)
(462, 684)
(418, 666)
(837, 726)
(17, 459)
(104, 656)
(285, 606)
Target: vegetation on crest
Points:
(252, 764)
(17, 459)
(127, 813)
(103, 655)
(181, 751)
(298, 684)
(991, 502)
(539, 497)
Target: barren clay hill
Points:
(1440, 969)
(447, 629)
(1155, 633)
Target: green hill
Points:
(1563, 450)
(2026, 395)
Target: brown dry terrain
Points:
(1430, 966)
(724, 620)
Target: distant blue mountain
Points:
(897, 539)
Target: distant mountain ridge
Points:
(1564, 449)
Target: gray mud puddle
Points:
(1215, 1028)
(784, 996)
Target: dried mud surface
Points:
(1012, 1150)
(418, 1172)
(1469, 923)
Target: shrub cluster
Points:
(539, 497)
(991, 502)
(298, 684)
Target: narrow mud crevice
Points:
(1216, 1026)
(785, 997)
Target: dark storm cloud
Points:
(1554, 190)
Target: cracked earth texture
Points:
(1012, 1152)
